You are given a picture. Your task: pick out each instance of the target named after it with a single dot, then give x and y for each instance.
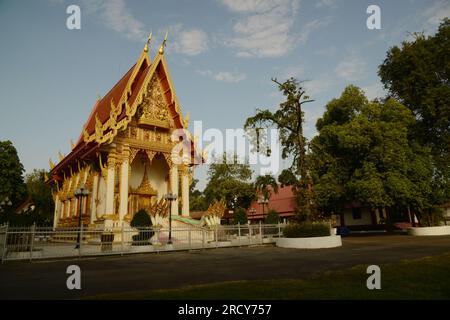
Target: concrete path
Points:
(47, 280)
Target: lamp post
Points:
(80, 193)
(263, 201)
(170, 197)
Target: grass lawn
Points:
(425, 278)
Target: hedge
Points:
(306, 230)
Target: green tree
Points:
(265, 185)
(231, 181)
(363, 153)
(288, 119)
(240, 216)
(272, 217)
(40, 194)
(417, 74)
(12, 186)
(197, 200)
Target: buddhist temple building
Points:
(133, 149)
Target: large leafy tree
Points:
(230, 180)
(417, 74)
(40, 194)
(11, 174)
(363, 153)
(288, 119)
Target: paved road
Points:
(47, 280)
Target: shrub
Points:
(142, 222)
(272, 217)
(306, 230)
(141, 219)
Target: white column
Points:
(185, 192)
(174, 188)
(61, 210)
(94, 198)
(56, 213)
(123, 207)
(110, 179)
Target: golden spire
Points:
(72, 145)
(148, 42)
(161, 49)
(61, 156)
(51, 164)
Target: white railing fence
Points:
(20, 243)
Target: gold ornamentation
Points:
(145, 188)
(103, 169)
(168, 158)
(217, 209)
(154, 110)
(163, 45)
(150, 155)
(133, 153)
(61, 156)
(186, 120)
(148, 42)
(51, 164)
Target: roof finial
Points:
(161, 49)
(148, 42)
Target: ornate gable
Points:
(154, 110)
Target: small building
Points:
(282, 202)
(354, 214)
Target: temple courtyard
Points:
(406, 262)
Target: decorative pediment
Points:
(154, 110)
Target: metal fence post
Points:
(239, 234)
(121, 240)
(32, 231)
(203, 238)
(190, 237)
(260, 233)
(81, 240)
(5, 242)
(216, 234)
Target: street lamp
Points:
(80, 193)
(263, 201)
(170, 197)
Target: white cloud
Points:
(352, 68)
(326, 4)
(250, 5)
(191, 42)
(313, 26)
(224, 76)
(115, 16)
(263, 27)
(374, 91)
(435, 13)
(229, 76)
(319, 85)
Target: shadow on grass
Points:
(424, 278)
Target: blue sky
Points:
(221, 55)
